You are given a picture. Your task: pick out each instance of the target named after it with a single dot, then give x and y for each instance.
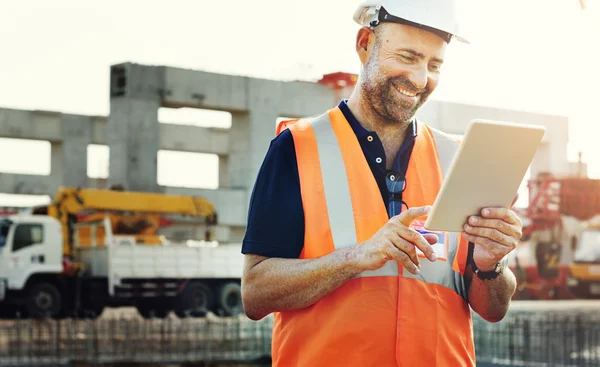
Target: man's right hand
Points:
(397, 241)
(303, 282)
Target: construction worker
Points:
(334, 244)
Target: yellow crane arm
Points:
(73, 200)
(70, 201)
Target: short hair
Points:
(378, 32)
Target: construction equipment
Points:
(584, 271)
(91, 248)
(554, 233)
(130, 212)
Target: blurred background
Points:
(108, 109)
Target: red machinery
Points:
(341, 83)
(557, 206)
(6, 211)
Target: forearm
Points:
(491, 298)
(276, 284)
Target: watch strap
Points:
(490, 274)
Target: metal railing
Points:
(543, 339)
(134, 340)
(522, 339)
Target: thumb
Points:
(432, 238)
(411, 214)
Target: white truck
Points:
(189, 278)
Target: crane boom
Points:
(137, 212)
(73, 200)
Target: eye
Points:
(435, 67)
(407, 59)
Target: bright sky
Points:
(534, 55)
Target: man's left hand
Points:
(495, 234)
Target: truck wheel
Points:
(44, 300)
(195, 300)
(230, 299)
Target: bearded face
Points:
(393, 98)
(401, 73)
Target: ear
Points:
(365, 39)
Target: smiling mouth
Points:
(406, 92)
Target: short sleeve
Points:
(275, 225)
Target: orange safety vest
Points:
(386, 317)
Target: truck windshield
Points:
(4, 226)
(588, 249)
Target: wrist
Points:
(485, 267)
(487, 273)
(353, 258)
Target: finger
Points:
(500, 213)
(494, 249)
(403, 259)
(500, 225)
(417, 240)
(406, 247)
(492, 234)
(432, 238)
(407, 217)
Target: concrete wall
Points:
(134, 135)
(552, 154)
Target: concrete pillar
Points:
(252, 132)
(237, 167)
(69, 157)
(264, 109)
(77, 134)
(224, 171)
(56, 168)
(250, 136)
(132, 131)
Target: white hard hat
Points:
(438, 16)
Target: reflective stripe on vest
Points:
(386, 317)
(337, 193)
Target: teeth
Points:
(406, 93)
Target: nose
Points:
(419, 77)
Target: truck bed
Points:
(127, 261)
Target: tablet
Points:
(488, 169)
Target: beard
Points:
(380, 90)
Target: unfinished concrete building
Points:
(134, 135)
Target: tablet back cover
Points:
(487, 171)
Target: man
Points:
(333, 245)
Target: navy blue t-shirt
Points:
(276, 216)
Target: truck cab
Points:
(30, 249)
(584, 274)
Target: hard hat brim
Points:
(369, 11)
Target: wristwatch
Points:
(491, 274)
